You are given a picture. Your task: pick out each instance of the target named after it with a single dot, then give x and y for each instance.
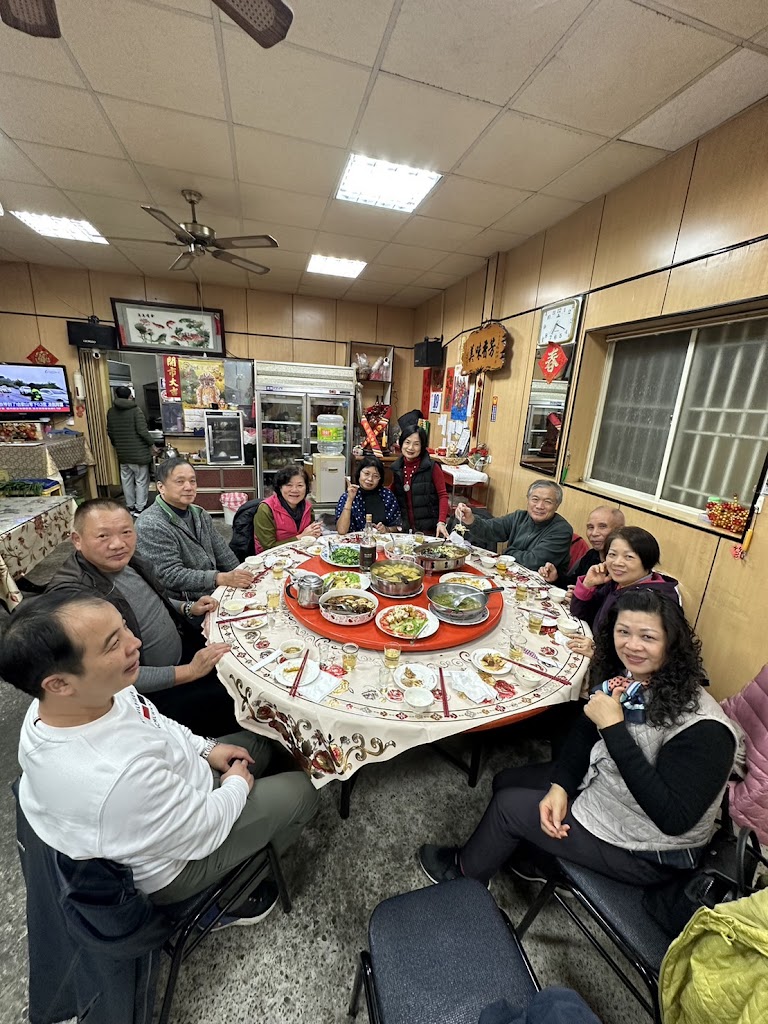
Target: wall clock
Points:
(558, 322)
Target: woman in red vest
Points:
(285, 514)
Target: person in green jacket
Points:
(534, 535)
(127, 429)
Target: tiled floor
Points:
(299, 968)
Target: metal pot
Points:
(477, 600)
(392, 588)
(309, 589)
(429, 557)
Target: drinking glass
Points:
(349, 656)
(418, 538)
(277, 570)
(391, 654)
(535, 619)
(521, 592)
(273, 599)
(324, 653)
(501, 569)
(515, 648)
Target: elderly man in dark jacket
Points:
(127, 429)
(177, 671)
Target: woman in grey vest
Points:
(639, 780)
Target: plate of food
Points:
(467, 579)
(285, 673)
(346, 556)
(258, 621)
(409, 676)
(407, 622)
(345, 578)
(489, 660)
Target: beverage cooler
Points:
(289, 399)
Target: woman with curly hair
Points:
(638, 783)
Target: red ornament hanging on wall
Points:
(42, 357)
(553, 362)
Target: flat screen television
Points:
(28, 391)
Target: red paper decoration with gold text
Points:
(553, 362)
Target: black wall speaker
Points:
(91, 335)
(428, 352)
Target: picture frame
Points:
(164, 327)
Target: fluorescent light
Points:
(380, 183)
(334, 266)
(60, 227)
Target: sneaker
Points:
(135, 512)
(259, 905)
(440, 863)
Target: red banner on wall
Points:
(425, 392)
(172, 379)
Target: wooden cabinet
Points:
(212, 480)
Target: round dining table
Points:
(340, 720)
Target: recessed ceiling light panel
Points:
(380, 183)
(60, 227)
(335, 267)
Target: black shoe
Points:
(440, 863)
(259, 905)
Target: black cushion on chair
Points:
(621, 905)
(443, 953)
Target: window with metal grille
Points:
(684, 415)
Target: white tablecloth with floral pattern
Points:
(30, 529)
(363, 720)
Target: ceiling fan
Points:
(197, 239)
(266, 21)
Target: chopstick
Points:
(443, 694)
(299, 674)
(540, 672)
(237, 618)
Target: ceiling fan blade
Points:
(143, 241)
(183, 261)
(247, 242)
(35, 17)
(239, 261)
(266, 21)
(181, 233)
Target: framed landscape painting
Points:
(160, 327)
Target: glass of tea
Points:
(349, 656)
(391, 654)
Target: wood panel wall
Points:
(711, 194)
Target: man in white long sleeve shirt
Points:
(105, 775)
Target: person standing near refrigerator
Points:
(127, 429)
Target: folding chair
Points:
(440, 955)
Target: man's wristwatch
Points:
(210, 743)
(187, 609)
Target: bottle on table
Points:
(368, 545)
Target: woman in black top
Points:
(636, 788)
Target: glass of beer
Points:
(535, 619)
(349, 657)
(391, 654)
(521, 593)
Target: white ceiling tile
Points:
(151, 259)
(433, 279)
(608, 167)
(347, 247)
(483, 50)
(369, 291)
(133, 57)
(54, 115)
(524, 153)
(117, 216)
(460, 265)
(15, 166)
(601, 80)
(291, 238)
(351, 29)
(271, 205)
(276, 281)
(324, 286)
(281, 162)
(220, 196)
(7, 256)
(279, 259)
(211, 271)
(348, 218)
(16, 195)
(394, 255)
(537, 213)
(379, 274)
(414, 124)
(470, 202)
(168, 138)
(87, 172)
(46, 59)
(200, 7)
(435, 234)
(97, 257)
(292, 92)
(741, 17)
(741, 79)
(34, 248)
(413, 296)
(491, 240)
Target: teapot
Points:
(309, 589)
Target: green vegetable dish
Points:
(344, 556)
(350, 580)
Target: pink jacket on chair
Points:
(749, 798)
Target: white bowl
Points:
(488, 561)
(419, 698)
(234, 607)
(292, 649)
(255, 561)
(557, 594)
(348, 618)
(569, 628)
